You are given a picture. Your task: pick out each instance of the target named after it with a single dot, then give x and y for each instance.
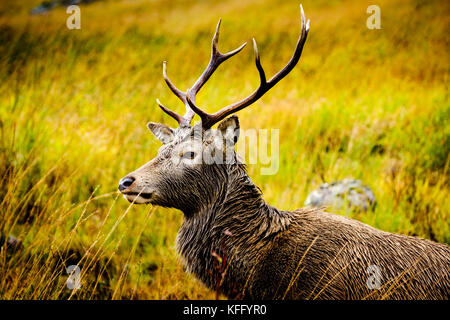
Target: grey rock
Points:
(47, 6)
(347, 193)
(12, 243)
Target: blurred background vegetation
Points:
(367, 104)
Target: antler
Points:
(208, 120)
(216, 59)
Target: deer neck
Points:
(236, 225)
(237, 214)
(236, 196)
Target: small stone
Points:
(47, 6)
(12, 243)
(347, 193)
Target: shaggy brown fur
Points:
(305, 254)
(233, 241)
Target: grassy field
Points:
(368, 104)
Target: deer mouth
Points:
(129, 195)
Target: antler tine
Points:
(262, 74)
(216, 59)
(180, 94)
(208, 120)
(181, 120)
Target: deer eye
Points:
(188, 155)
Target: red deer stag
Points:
(267, 253)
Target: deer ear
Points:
(229, 128)
(161, 131)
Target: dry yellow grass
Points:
(369, 104)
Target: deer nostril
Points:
(125, 183)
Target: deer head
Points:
(194, 162)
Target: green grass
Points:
(368, 104)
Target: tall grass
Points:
(368, 104)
